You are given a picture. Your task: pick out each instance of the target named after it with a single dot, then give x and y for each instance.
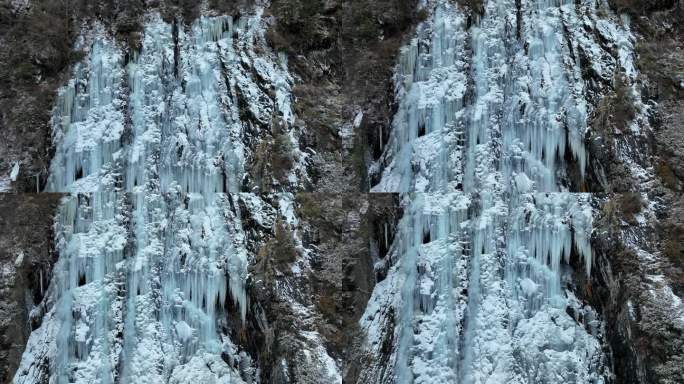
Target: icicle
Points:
(386, 242)
(14, 173)
(427, 114)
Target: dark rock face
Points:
(643, 334)
(639, 268)
(26, 259)
(343, 53)
(318, 284)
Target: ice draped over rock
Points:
(151, 247)
(488, 135)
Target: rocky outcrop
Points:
(26, 260)
(637, 143)
(310, 283)
(343, 54)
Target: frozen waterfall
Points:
(151, 247)
(498, 103)
(489, 130)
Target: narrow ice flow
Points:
(424, 152)
(434, 245)
(151, 248)
(488, 139)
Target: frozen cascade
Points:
(150, 242)
(525, 114)
(488, 133)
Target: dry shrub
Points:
(276, 40)
(272, 159)
(673, 242)
(616, 110)
(674, 250)
(309, 206)
(283, 246)
(630, 205)
(281, 157)
(328, 307)
(623, 103)
(667, 176)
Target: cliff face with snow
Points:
(323, 192)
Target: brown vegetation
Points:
(283, 245)
(616, 110)
(281, 157)
(630, 205)
(622, 206)
(308, 206)
(272, 161)
(667, 176)
(476, 6)
(673, 248)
